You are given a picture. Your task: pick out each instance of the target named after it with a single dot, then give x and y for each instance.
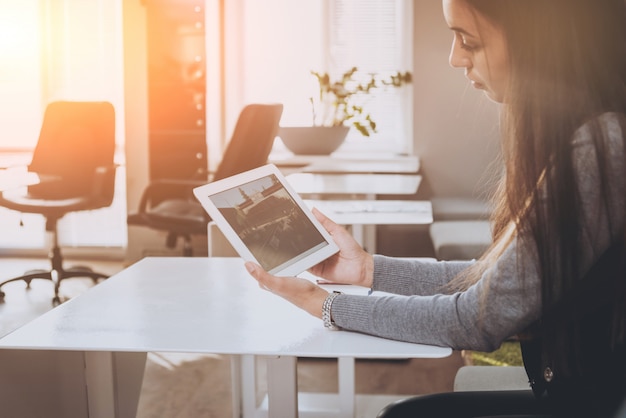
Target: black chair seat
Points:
(23, 202)
(26, 204)
(177, 215)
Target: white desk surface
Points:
(204, 305)
(12, 178)
(339, 162)
(375, 212)
(364, 184)
(189, 305)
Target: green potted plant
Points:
(340, 106)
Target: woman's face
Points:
(479, 47)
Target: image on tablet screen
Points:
(269, 222)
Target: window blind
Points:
(372, 35)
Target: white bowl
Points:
(313, 140)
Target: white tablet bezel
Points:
(293, 266)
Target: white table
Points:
(365, 186)
(361, 213)
(368, 185)
(375, 212)
(12, 178)
(347, 163)
(99, 339)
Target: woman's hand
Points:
(302, 293)
(351, 265)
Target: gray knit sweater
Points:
(480, 318)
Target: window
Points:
(59, 50)
(272, 46)
(20, 76)
(374, 36)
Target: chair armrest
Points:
(104, 182)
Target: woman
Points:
(555, 273)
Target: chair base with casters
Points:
(57, 272)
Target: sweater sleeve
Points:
(507, 298)
(399, 275)
(459, 320)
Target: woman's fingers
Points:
(261, 276)
(283, 286)
(300, 292)
(326, 222)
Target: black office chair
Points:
(74, 158)
(169, 205)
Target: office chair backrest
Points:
(252, 139)
(75, 139)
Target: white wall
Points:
(456, 127)
(136, 122)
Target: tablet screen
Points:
(266, 221)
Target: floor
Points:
(191, 385)
(22, 305)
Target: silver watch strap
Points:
(326, 316)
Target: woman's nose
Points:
(458, 57)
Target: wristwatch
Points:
(326, 317)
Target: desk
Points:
(12, 178)
(360, 213)
(375, 212)
(355, 184)
(316, 185)
(187, 305)
(347, 163)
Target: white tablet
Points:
(266, 221)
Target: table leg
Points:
(247, 376)
(347, 395)
(100, 380)
(235, 384)
(282, 386)
(114, 382)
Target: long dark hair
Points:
(568, 66)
